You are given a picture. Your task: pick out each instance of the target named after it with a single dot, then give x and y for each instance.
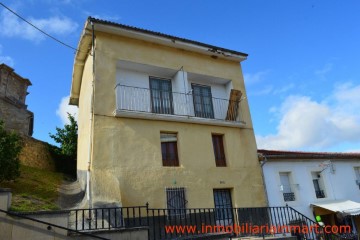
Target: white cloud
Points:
(308, 124)
(12, 26)
(321, 73)
(106, 17)
(264, 91)
(64, 108)
(284, 89)
(252, 78)
(6, 59)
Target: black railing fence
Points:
(176, 103)
(49, 225)
(191, 222)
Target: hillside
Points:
(35, 189)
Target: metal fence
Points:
(174, 103)
(162, 224)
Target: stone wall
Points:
(13, 109)
(15, 118)
(36, 153)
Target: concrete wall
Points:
(126, 165)
(17, 228)
(338, 185)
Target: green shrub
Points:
(10, 147)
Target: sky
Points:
(302, 74)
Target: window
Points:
(318, 185)
(223, 206)
(357, 173)
(161, 96)
(203, 105)
(218, 146)
(169, 149)
(176, 202)
(288, 194)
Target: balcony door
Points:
(203, 105)
(223, 207)
(161, 96)
(288, 194)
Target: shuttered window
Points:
(219, 152)
(169, 149)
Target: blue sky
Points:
(302, 74)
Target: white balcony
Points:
(173, 106)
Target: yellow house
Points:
(163, 120)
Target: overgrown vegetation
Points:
(65, 156)
(10, 147)
(67, 138)
(35, 189)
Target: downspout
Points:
(88, 174)
(263, 176)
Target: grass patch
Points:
(34, 190)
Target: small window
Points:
(218, 146)
(169, 149)
(176, 202)
(318, 185)
(288, 194)
(357, 173)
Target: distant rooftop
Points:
(278, 154)
(12, 71)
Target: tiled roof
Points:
(277, 154)
(174, 38)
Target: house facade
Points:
(315, 184)
(162, 120)
(13, 109)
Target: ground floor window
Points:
(176, 202)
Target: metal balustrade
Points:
(174, 103)
(320, 194)
(209, 222)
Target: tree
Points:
(67, 137)
(10, 147)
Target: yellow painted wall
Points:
(127, 155)
(126, 164)
(84, 121)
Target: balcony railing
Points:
(289, 196)
(174, 103)
(320, 194)
(208, 222)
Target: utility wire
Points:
(55, 39)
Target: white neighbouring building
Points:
(315, 184)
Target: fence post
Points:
(5, 198)
(147, 219)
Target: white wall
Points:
(339, 185)
(138, 99)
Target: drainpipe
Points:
(263, 176)
(88, 173)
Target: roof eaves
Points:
(275, 154)
(174, 38)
